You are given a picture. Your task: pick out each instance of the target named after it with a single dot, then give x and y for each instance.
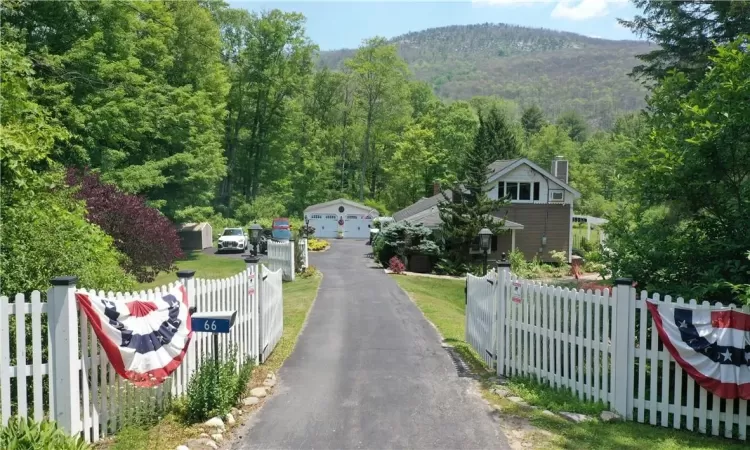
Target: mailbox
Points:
(213, 322)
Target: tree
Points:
(469, 209)
(685, 34)
(532, 120)
(575, 125)
(692, 206)
(379, 76)
(271, 65)
(43, 232)
(496, 134)
(142, 233)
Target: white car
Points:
(233, 239)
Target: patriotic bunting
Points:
(712, 346)
(145, 340)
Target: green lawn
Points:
(442, 302)
(205, 266)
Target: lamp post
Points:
(255, 230)
(485, 237)
(307, 227)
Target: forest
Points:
(209, 113)
(555, 70)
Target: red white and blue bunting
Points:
(145, 340)
(711, 345)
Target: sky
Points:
(344, 24)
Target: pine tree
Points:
(685, 34)
(498, 137)
(469, 209)
(532, 120)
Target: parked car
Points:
(233, 239)
(280, 229)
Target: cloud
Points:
(580, 9)
(565, 9)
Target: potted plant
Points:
(340, 234)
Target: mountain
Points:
(553, 69)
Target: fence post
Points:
(291, 258)
(187, 279)
(64, 354)
(253, 296)
(621, 341)
(503, 269)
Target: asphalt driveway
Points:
(369, 372)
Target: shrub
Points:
(25, 434)
(395, 265)
(142, 233)
(316, 245)
(46, 235)
(449, 267)
(309, 271)
(394, 236)
(208, 398)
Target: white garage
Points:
(351, 218)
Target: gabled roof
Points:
(421, 205)
(431, 219)
(342, 201)
(504, 166)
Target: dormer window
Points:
(519, 191)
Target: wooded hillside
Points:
(557, 70)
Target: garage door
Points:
(356, 226)
(325, 225)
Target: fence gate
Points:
(481, 304)
(271, 311)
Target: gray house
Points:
(538, 219)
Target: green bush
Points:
(386, 246)
(25, 434)
(46, 235)
(309, 271)
(207, 397)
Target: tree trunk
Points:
(365, 153)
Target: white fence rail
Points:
(271, 311)
(64, 374)
(281, 256)
(601, 345)
(480, 315)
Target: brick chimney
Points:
(436, 188)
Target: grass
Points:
(170, 432)
(442, 302)
(205, 266)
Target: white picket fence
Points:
(281, 256)
(601, 345)
(271, 311)
(72, 381)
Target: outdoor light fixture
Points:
(255, 230)
(485, 238)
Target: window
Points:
(524, 191)
(519, 191)
(511, 190)
(351, 216)
(316, 216)
(331, 216)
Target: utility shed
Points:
(195, 236)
